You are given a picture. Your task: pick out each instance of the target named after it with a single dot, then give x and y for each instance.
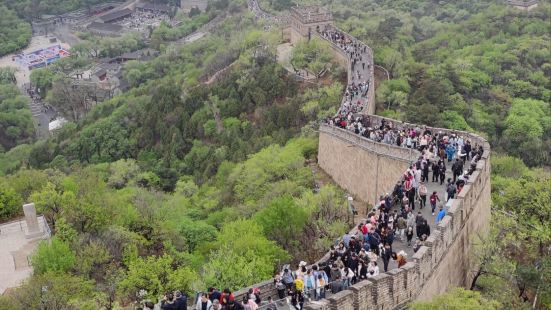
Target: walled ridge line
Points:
(447, 245)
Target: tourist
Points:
(203, 303)
(214, 294)
(180, 300)
(226, 297)
(433, 200)
(441, 214)
(423, 194)
(271, 304)
(288, 278)
(280, 286)
(216, 305)
(320, 287)
(386, 255)
(168, 302)
(248, 303)
(451, 189)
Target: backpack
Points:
(299, 285)
(374, 239)
(451, 188)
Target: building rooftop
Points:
(104, 27)
(109, 17)
(162, 8)
(15, 249)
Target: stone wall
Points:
(442, 264)
(366, 169)
(342, 58)
(363, 167)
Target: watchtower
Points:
(307, 19)
(525, 5)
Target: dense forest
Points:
(180, 178)
(180, 184)
(15, 33)
(16, 123)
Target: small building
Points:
(307, 20)
(103, 29)
(101, 74)
(187, 5)
(157, 8)
(145, 54)
(116, 16)
(525, 5)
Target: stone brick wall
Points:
(363, 167)
(366, 169)
(444, 262)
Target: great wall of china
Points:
(367, 168)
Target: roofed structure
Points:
(115, 16)
(307, 19)
(104, 29)
(525, 5)
(154, 8)
(187, 5)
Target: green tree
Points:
(156, 275)
(456, 300)
(53, 256)
(51, 291)
(10, 202)
(42, 80)
(52, 203)
(283, 220)
(15, 33)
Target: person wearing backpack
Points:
(288, 278)
(450, 189)
(374, 241)
(280, 286)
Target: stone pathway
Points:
(14, 251)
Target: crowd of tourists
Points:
(356, 96)
(213, 299)
(398, 215)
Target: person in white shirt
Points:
(372, 269)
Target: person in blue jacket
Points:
(441, 214)
(450, 152)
